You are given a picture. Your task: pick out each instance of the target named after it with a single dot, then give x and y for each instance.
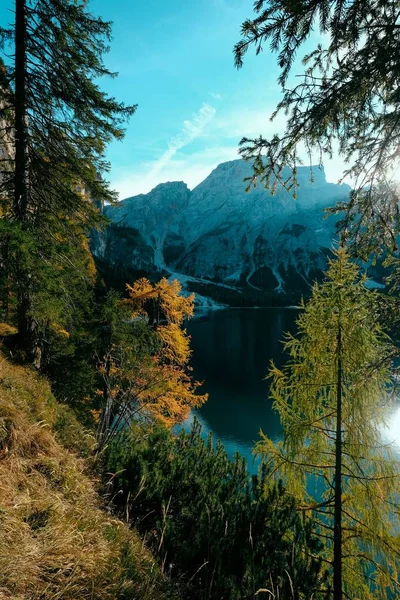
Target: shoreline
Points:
(203, 313)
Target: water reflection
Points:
(231, 353)
(391, 432)
(232, 350)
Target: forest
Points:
(102, 493)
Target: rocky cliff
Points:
(241, 248)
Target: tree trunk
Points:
(21, 142)
(5, 267)
(27, 326)
(337, 539)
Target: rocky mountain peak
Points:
(221, 238)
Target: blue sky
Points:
(175, 61)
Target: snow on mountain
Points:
(235, 246)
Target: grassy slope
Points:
(55, 540)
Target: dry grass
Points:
(6, 329)
(55, 541)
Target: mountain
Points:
(235, 246)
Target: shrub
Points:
(220, 532)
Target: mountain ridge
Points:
(267, 248)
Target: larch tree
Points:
(344, 101)
(61, 123)
(145, 369)
(332, 397)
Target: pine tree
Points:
(332, 396)
(344, 102)
(62, 122)
(221, 534)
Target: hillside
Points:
(221, 241)
(56, 539)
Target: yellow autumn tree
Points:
(145, 371)
(165, 310)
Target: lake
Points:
(232, 350)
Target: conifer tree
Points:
(332, 397)
(344, 100)
(221, 534)
(145, 370)
(62, 122)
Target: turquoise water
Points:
(232, 350)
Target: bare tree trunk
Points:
(337, 539)
(27, 326)
(21, 152)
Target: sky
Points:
(175, 61)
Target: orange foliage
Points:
(163, 391)
(90, 264)
(157, 384)
(165, 297)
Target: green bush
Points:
(217, 531)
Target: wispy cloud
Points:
(171, 165)
(190, 131)
(182, 161)
(192, 169)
